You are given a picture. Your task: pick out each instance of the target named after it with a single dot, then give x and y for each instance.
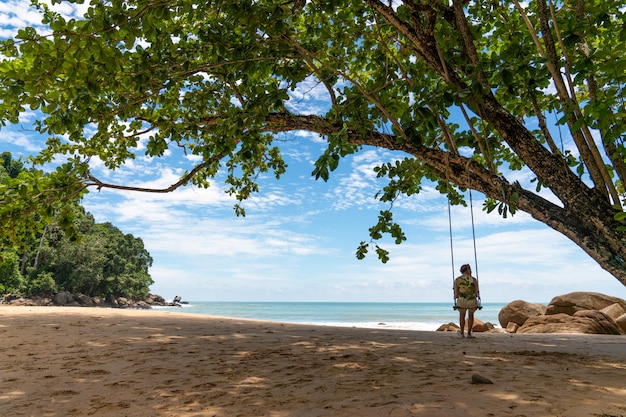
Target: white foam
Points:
(380, 325)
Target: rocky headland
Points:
(67, 299)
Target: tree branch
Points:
(95, 182)
(425, 45)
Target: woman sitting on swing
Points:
(466, 296)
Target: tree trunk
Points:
(586, 219)
(43, 235)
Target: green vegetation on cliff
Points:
(92, 259)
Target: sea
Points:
(371, 315)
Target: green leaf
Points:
(361, 250)
(383, 254)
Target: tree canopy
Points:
(468, 93)
(93, 259)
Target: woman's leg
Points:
(470, 320)
(462, 320)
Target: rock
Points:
(98, 301)
(480, 326)
(83, 300)
(11, 297)
(603, 321)
(154, 299)
(112, 301)
(621, 322)
(63, 298)
(42, 301)
(613, 311)
(479, 379)
(512, 327)
(450, 327)
(587, 322)
(21, 301)
(518, 312)
(576, 301)
(576, 312)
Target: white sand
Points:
(108, 362)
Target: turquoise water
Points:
(409, 316)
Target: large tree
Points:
(467, 92)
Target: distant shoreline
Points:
(372, 315)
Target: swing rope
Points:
(450, 226)
(473, 233)
(474, 240)
(452, 245)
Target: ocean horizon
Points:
(371, 315)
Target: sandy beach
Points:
(58, 361)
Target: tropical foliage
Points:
(95, 260)
(522, 102)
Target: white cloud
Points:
(18, 14)
(310, 97)
(24, 140)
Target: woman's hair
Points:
(464, 268)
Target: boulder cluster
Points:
(478, 327)
(65, 298)
(576, 312)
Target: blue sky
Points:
(298, 240)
